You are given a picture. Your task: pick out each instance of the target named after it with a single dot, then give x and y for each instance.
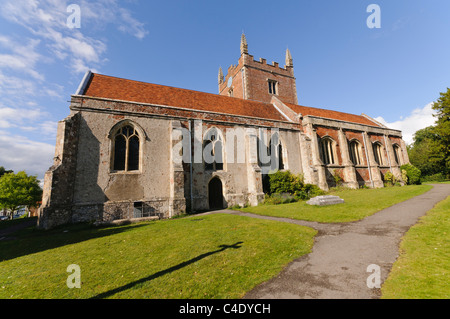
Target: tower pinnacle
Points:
(220, 76)
(244, 46)
(289, 58)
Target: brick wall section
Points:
(255, 84)
(236, 73)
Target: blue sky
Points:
(392, 73)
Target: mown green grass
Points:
(422, 270)
(209, 256)
(359, 203)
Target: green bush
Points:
(286, 187)
(389, 179)
(413, 174)
(405, 176)
(285, 182)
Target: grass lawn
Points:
(210, 256)
(423, 268)
(359, 203)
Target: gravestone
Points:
(325, 200)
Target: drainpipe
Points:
(368, 161)
(190, 165)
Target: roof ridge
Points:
(183, 89)
(320, 108)
(333, 114)
(116, 88)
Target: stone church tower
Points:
(257, 80)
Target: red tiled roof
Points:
(103, 86)
(334, 115)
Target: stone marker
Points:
(325, 200)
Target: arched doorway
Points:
(215, 194)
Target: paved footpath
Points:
(337, 265)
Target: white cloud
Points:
(131, 25)
(19, 153)
(418, 119)
(22, 58)
(34, 121)
(11, 117)
(15, 86)
(47, 21)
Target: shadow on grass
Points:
(166, 271)
(30, 240)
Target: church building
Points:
(132, 149)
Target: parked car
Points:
(4, 217)
(20, 214)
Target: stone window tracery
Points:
(213, 150)
(378, 153)
(355, 152)
(126, 143)
(327, 151)
(397, 154)
(277, 161)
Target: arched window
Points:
(397, 154)
(274, 159)
(327, 150)
(213, 150)
(126, 145)
(378, 153)
(275, 145)
(354, 149)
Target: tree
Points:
(430, 151)
(425, 153)
(19, 189)
(3, 171)
(442, 129)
